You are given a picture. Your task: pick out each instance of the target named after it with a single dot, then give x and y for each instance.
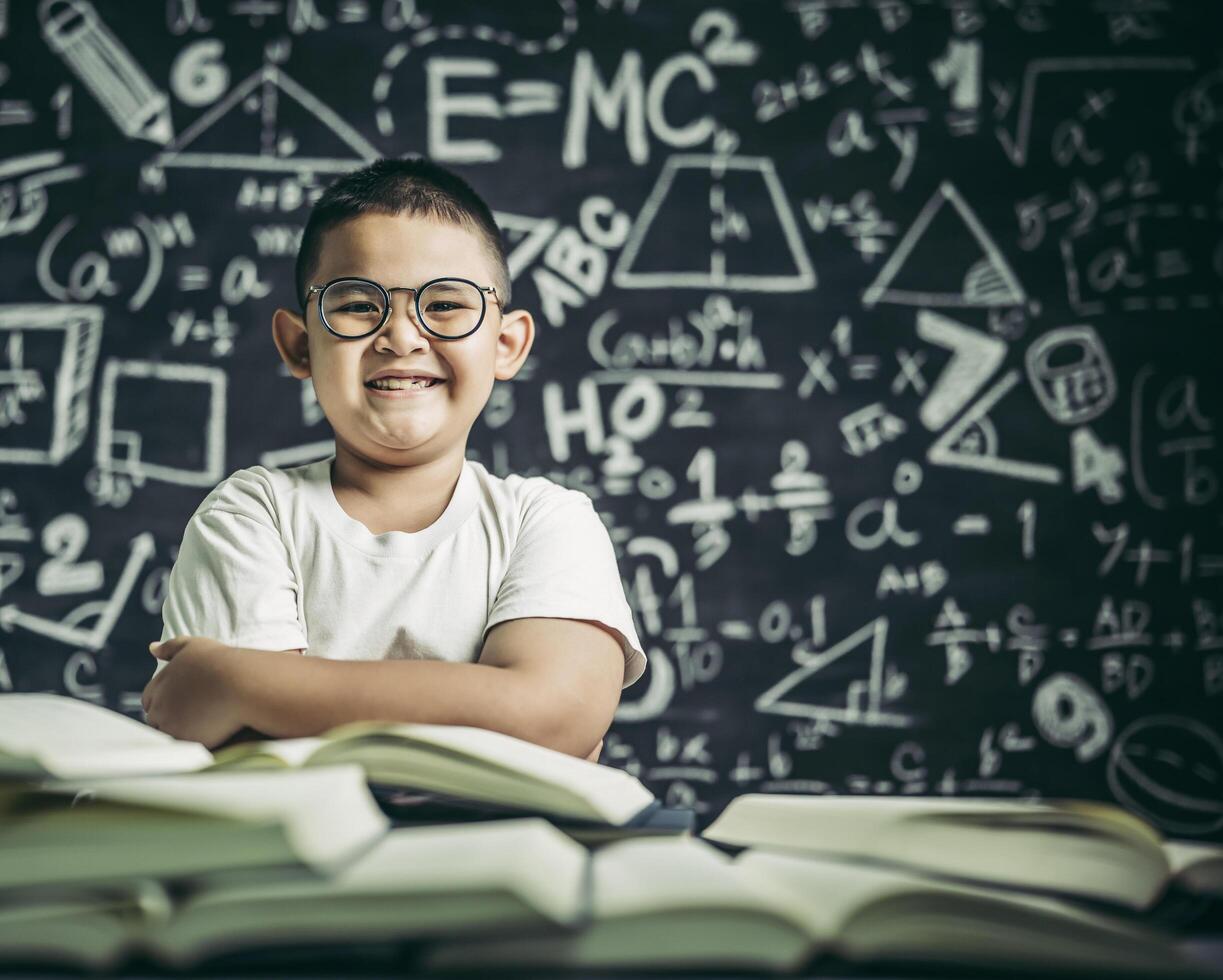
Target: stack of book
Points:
(118, 841)
(471, 851)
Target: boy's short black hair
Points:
(417, 187)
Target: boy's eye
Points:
(358, 308)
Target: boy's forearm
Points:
(286, 695)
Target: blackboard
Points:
(884, 336)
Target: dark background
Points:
(907, 429)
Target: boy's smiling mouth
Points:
(394, 381)
(418, 383)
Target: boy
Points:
(418, 586)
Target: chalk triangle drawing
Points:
(256, 105)
(974, 274)
(854, 697)
(716, 222)
(972, 442)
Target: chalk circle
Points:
(907, 477)
(1070, 714)
(1169, 770)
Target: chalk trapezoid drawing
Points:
(862, 699)
(985, 280)
(972, 442)
(661, 234)
(272, 84)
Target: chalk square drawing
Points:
(266, 88)
(743, 196)
(981, 279)
(864, 694)
(1016, 146)
(132, 446)
(1159, 257)
(64, 417)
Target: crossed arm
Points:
(554, 682)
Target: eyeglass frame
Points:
(415, 291)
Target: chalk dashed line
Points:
(457, 32)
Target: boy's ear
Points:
(517, 334)
(289, 333)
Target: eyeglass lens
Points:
(450, 308)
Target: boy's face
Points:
(409, 428)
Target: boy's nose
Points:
(401, 325)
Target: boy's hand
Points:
(195, 696)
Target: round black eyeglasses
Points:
(450, 308)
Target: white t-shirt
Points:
(271, 561)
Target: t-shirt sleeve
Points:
(233, 582)
(563, 566)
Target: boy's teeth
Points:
(395, 384)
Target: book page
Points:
(658, 904)
(32, 721)
(1018, 843)
(71, 738)
(874, 909)
(477, 759)
(527, 856)
(1197, 866)
(845, 887)
(292, 752)
(647, 876)
(327, 812)
(488, 748)
(1184, 854)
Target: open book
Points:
(51, 735)
(1196, 867)
(497, 879)
(681, 903)
(460, 761)
(103, 830)
(1073, 847)
(409, 807)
